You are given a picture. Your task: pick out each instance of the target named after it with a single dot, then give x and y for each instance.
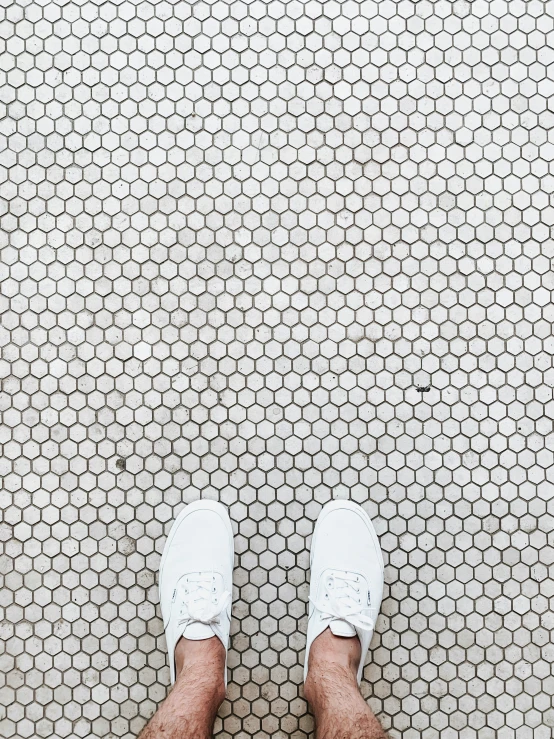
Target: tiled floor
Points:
(271, 253)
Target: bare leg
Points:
(331, 689)
(190, 709)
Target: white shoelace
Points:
(199, 603)
(342, 601)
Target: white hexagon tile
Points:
(271, 253)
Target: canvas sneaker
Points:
(347, 576)
(196, 577)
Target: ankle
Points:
(333, 661)
(340, 651)
(203, 664)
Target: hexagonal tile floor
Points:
(271, 253)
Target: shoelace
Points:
(341, 601)
(199, 603)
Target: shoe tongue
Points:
(342, 628)
(198, 631)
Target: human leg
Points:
(345, 597)
(190, 709)
(332, 690)
(195, 596)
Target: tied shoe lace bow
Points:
(200, 603)
(342, 601)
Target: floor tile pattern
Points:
(273, 253)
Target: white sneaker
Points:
(347, 576)
(196, 577)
